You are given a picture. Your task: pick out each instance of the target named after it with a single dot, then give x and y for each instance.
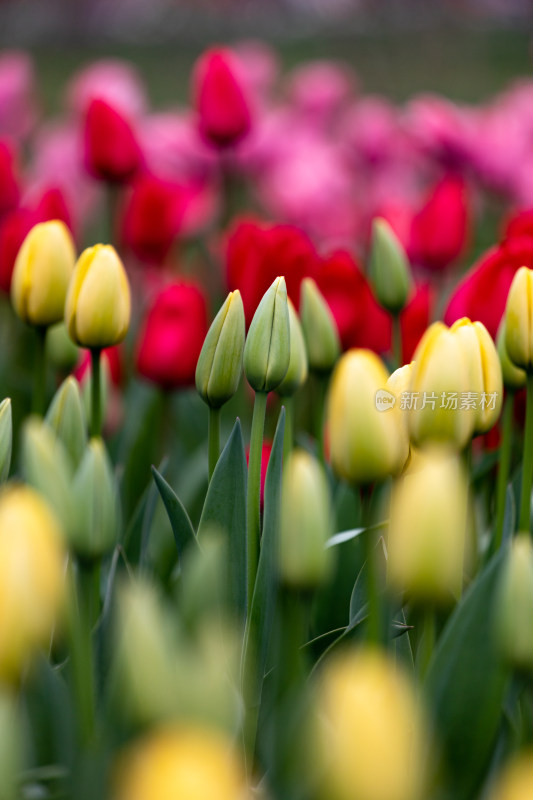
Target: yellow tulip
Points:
(484, 372)
(427, 530)
(398, 384)
(32, 582)
(185, 763)
(519, 319)
(516, 780)
(513, 377)
(98, 306)
(42, 272)
(370, 732)
(365, 444)
(439, 384)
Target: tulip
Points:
(440, 229)
(152, 218)
(112, 152)
(515, 605)
(440, 377)
(399, 384)
(427, 529)
(365, 445)
(97, 309)
(12, 745)
(389, 269)
(9, 182)
(319, 328)
(52, 204)
(224, 116)
(42, 272)
(370, 732)
(61, 350)
(267, 348)
(32, 585)
(13, 230)
(186, 762)
(66, 417)
(296, 375)
(171, 338)
(305, 523)
(514, 378)
(516, 779)
(95, 528)
(484, 371)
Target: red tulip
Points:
(9, 186)
(172, 336)
(53, 205)
(152, 218)
(482, 293)
(13, 229)
(112, 152)
(256, 254)
(520, 224)
(440, 229)
(219, 98)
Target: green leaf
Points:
(182, 528)
(259, 625)
(225, 508)
(466, 682)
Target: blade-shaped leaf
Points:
(182, 528)
(466, 682)
(225, 508)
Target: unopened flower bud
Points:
(95, 529)
(305, 522)
(97, 309)
(66, 417)
(319, 328)
(219, 367)
(389, 272)
(267, 348)
(398, 385)
(296, 375)
(42, 272)
(61, 351)
(515, 604)
(519, 319)
(514, 378)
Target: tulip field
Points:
(266, 436)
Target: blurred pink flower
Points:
(319, 90)
(117, 82)
(18, 111)
(441, 129)
(260, 69)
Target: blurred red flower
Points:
(112, 152)
(256, 254)
(113, 359)
(13, 229)
(152, 218)
(172, 336)
(219, 97)
(52, 204)
(9, 185)
(439, 230)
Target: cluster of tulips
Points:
(313, 583)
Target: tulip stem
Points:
(253, 511)
(504, 467)
(214, 439)
(397, 341)
(96, 392)
(374, 624)
(426, 644)
(527, 462)
(88, 600)
(39, 371)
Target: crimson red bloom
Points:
(9, 184)
(112, 152)
(53, 205)
(482, 293)
(439, 231)
(256, 254)
(152, 218)
(219, 98)
(13, 229)
(172, 336)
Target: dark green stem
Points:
(39, 372)
(375, 612)
(253, 510)
(503, 468)
(96, 392)
(214, 439)
(426, 644)
(88, 594)
(527, 462)
(397, 341)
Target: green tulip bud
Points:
(6, 438)
(46, 467)
(296, 375)
(305, 522)
(11, 746)
(390, 274)
(319, 328)
(61, 351)
(513, 377)
(219, 367)
(95, 529)
(267, 348)
(66, 417)
(515, 606)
